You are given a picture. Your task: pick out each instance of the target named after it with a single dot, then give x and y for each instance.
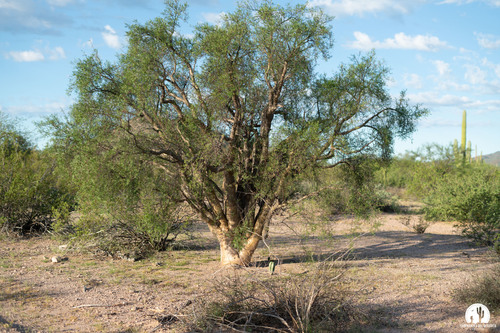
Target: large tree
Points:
(232, 113)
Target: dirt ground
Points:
(403, 279)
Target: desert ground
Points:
(402, 280)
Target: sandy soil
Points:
(402, 279)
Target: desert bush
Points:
(484, 289)
(496, 246)
(467, 193)
(418, 172)
(352, 189)
(124, 204)
(470, 196)
(29, 184)
(302, 303)
(419, 225)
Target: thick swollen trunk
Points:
(229, 255)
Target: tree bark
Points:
(229, 254)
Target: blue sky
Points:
(445, 54)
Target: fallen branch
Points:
(99, 305)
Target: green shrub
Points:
(354, 190)
(124, 204)
(418, 172)
(496, 246)
(470, 196)
(29, 184)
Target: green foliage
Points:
(30, 187)
(496, 246)
(467, 193)
(234, 114)
(471, 196)
(61, 219)
(418, 172)
(352, 189)
(124, 202)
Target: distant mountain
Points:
(493, 159)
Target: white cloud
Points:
(475, 75)
(360, 7)
(488, 41)
(413, 81)
(37, 109)
(434, 98)
(29, 16)
(213, 18)
(60, 3)
(11, 4)
(400, 41)
(439, 122)
(110, 37)
(452, 84)
(492, 66)
(494, 3)
(26, 56)
(442, 67)
(57, 53)
(88, 44)
(36, 54)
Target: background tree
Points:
(232, 115)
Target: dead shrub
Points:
(311, 302)
(419, 225)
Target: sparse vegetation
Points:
(467, 193)
(211, 135)
(416, 223)
(312, 302)
(483, 288)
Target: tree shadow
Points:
(379, 245)
(17, 327)
(388, 317)
(396, 244)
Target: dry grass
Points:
(392, 280)
(310, 302)
(417, 224)
(483, 288)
